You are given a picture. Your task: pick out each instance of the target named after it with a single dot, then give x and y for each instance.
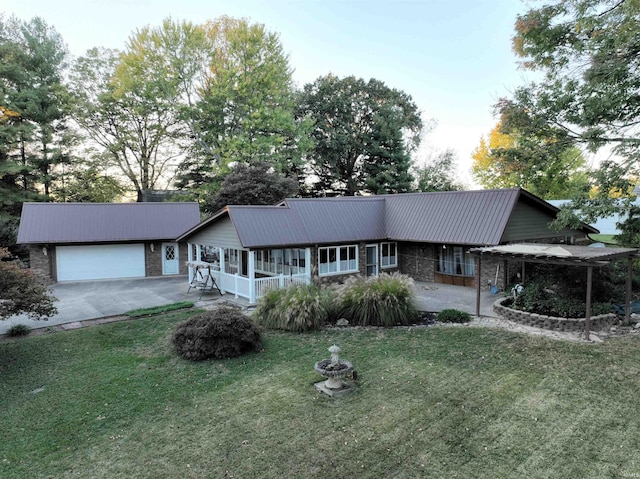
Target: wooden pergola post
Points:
(627, 309)
(587, 316)
(478, 276)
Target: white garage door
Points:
(100, 261)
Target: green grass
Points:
(606, 239)
(114, 402)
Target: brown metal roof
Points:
(309, 221)
(456, 217)
(104, 222)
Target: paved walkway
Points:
(87, 300)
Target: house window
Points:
(280, 261)
(337, 259)
(298, 261)
(453, 260)
(389, 255)
(231, 260)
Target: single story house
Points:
(82, 241)
(248, 249)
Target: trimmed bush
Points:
(221, 333)
(385, 300)
(297, 308)
(453, 316)
(18, 330)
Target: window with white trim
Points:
(337, 259)
(280, 261)
(389, 255)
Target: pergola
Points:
(586, 256)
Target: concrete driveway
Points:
(84, 300)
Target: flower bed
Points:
(597, 323)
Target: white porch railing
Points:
(249, 287)
(241, 286)
(282, 281)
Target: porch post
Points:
(222, 269)
(221, 254)
(189, 260)
(307, 264)
(587, 316)
(252, 276)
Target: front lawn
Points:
(113, 401)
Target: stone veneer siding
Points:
(576, 325)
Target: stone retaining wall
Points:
(598, 323)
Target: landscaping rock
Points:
(342, 322)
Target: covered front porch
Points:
(249, 273)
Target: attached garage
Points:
(100, 261)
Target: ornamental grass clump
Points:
(221, 333)
(18, 330)
(298, 308)
(385, 300)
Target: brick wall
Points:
(576, 325)
(417, 260)
(153, 259)
(42, 265)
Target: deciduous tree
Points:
(588, 53)
(129, 109)
(547, 167)
(364, 133)
(251, 184)
(438, 173)
(20, 292)
(245, 111)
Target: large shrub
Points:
(297, 308)
(538, 298)
(221, 333)
(385, 300)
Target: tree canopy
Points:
(34, 136)
(364, 133)
(548, 168)
(437, 173)
(250, 184)
(587, 51)
(241, 104)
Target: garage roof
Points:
(62, 223)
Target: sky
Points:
(453, 57)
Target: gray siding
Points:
(223, 235)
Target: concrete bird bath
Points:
(335, 370)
